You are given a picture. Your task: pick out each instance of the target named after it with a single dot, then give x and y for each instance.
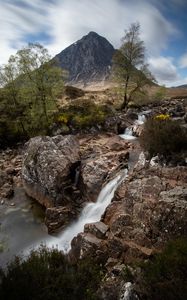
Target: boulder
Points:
(58, 217)
(48, 169)
(87, 245)
(98, 229)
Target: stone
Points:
(102, 157)
(98, 229)
(58, 217)
(7, 190)
(47, 168)
(86, 245)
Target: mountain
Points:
(87, 60)
(183, 86)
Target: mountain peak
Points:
(93, 34)
(87, 60)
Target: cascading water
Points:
(128, 134)
(91, 213)
(141, 119)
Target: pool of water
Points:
(21, 225)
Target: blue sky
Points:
(58, 23)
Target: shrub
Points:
(47, 274)
(165, 276)
(83, 114)
(164, 137)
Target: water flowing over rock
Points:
(62, 173)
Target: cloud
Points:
(19, 19)
(183, 61)
(163, 69)
(68, 20)
(72, 19)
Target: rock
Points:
(137, 130)
(7, 190)
(98, 229)
(128, 293)
(47, 169)
(11, 171)
(104, 157)
(58, 217)
(132, 114)
(115, 247)
(154, 202)
(12, 204)
(87, 245)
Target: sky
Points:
(58, 23)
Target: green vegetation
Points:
(82, 114)
(164, 137)
(129, 66)
(165, 276)
(160, 93)
(29, 84)
(47, 275)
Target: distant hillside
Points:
(183, 86)
(87, 60)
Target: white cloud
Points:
(183, 61)
(165, 71)
(17, 22)
(68, 20)
(72, 19)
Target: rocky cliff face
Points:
(87, 60)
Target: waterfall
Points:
(92, 212)
(128, 134)
(141, 119)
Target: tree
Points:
(129, 65)
(11, 107)
(42, 79)
(30, 83)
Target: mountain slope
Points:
(87, 60)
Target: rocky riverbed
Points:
(63, 173)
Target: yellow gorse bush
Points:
(62, 119)
(162, 117)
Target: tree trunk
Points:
(125, 99)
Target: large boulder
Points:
(48, 169)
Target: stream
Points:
(23, 228)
